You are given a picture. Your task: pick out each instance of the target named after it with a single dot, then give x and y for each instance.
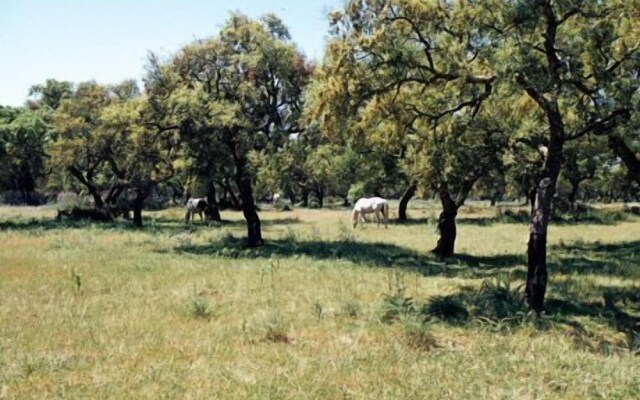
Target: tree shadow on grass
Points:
(591, 217)
(229, 222)
(378, 254)
(48, 224)
(617, 259)
(618, 307)
(500, 305)
(150, 224)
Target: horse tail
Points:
(354, 217)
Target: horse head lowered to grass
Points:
(375, 205)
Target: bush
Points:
(497, 300)
(200, 309)
(449, 308)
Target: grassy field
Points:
(104, 311)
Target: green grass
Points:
(321, 311)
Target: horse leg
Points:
(377, 218)
(354, 219)
(186, 217)
(201, 217)
(386, 217)
(385, 214)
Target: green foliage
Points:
(500, 301)
(51, 93)
(24, 137)
(385, 86)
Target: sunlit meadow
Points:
(93, 310)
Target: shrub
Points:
(448, 308)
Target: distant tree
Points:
(81, 149)
(624, 139)
(51, 93)
(242, 90)
(581, 163)
(411, 78)
(24, 135)
(142, 153)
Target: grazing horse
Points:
(196, 206)
(276, 198)
(375, 205)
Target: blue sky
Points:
(108, 40)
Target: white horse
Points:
(196, 206)
(276, 198)
(375, 205)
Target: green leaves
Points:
(24, 135)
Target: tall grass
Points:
(103, 311)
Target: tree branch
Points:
(601, 126)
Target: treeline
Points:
(528, 99)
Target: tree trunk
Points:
(115, 192)
(305, 197)
(213, 212)
(446, 226)
(620, 148)
(494, 199)
(235, 202)
(404, 201)
(138, 204)
(137, 215)
(537, 275)
(97, 198)
(292, 197)
(531, 199)
(320, 193)
(254, 232)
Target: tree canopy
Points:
(532, 99)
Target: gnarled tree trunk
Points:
(620, 148)
(86, 181)
(249, 209)
(446, 225)
(404, 201)
(254, 232)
